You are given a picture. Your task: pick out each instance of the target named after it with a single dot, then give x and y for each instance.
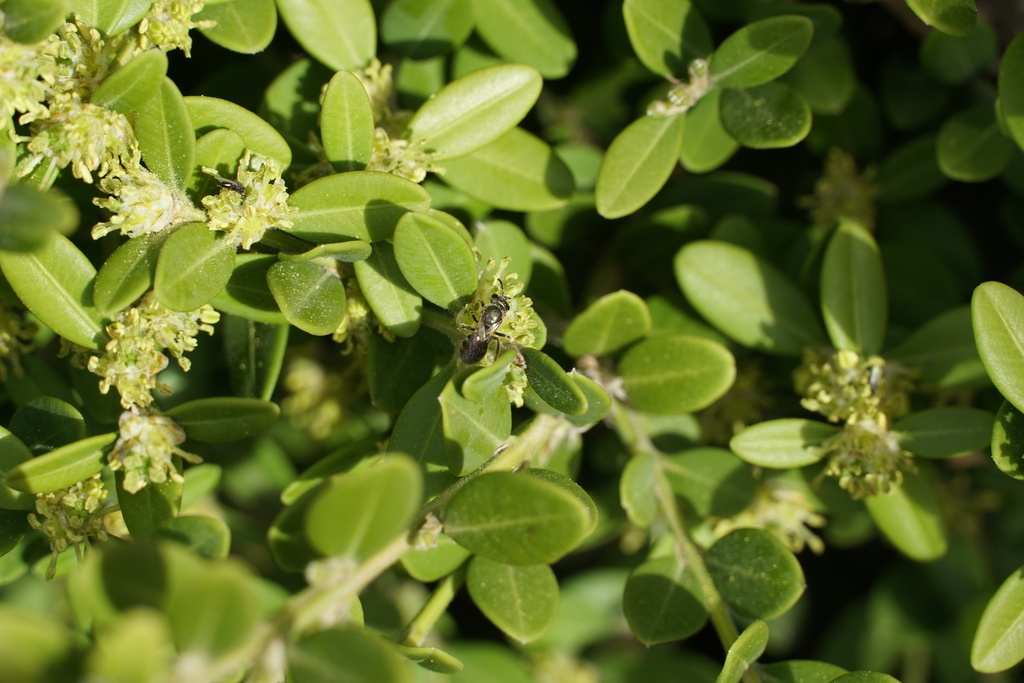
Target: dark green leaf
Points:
(247, 294)
(149, 507)
(1007, 441)
(28, 216)
(224, 419)
(766, 116)
(208, 537)
(420, 29)
(30, 21)
(706, 144)
(61, 467)
(943, 351)
(396, 370)
(971, 147)
(761, 52)
(944, 432)
(163, 127)
(756, 574)
(713, 481)
(552, 384)
(910, 516)
(662, 601)
(347, 654)
(956, 17)
(127, 274)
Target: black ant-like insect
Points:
(474, 347)
(232, 185)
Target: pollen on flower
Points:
(70, 517)
(841, 192)
(141, 204)
(145, 449)
(88, 137)
(263, 206)
(401, 157)
(683, 96)
(22, 86)
(167, 25)
(846, 387)
(866, 459)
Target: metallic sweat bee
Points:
(474, 346)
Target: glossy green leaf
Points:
(349, 251)
(747, 298)
(706, 144)
(552, 383)
(607, 325)
(357, 513)
(530, 32)
(997, 312)
(910, 516)
(518, 172)
(943, 351)
(247, 294)
(599, 403)
(246, 27)
(389, 295)
(13, 452)
(475, 110)
(127, 274)
(61, 467)
(340, 33)
(800, 671)
(971, 147)
(44, 423)
(944, 432)
(746, 650)
(363, 205)
(254, 353)
(149, 507)
(999, 641)
(291, 103)
(766, 116)
(484, 381)
(55, 282)
(520, 600)
(566, 483)
(1007, 441)
(1011, 88)
(854, 301)
(110, 17)
(516, 518)
(635, 486)
(956, 17)
(825, 77)
(131, 86)
(208, 113)
(419, 432)
(680, 373)
(194, 265)
(662, 601)
(420, 29)
(434, 563)
(396, 369)
(346, 653)
(954, 59)
(163, 129)
(224, 418)
(208, 537)
(28, 216)
(503, 239)
(30, 21)
(761, 52)
(220, 149)
(712, 481)
(311, 296)
(473, 428)
(637, 164)
(910, 172)
(782, 444)
(666, 36)
(435, 260)
(757, 575)
(346, 123)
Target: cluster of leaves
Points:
(482, 305)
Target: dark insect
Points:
(232, 185)
(474, 347)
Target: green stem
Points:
(417, 630)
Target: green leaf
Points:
(430, 658)
(531, 32)
(552, 384)
(473, 428)
(666, 36)
(475, 110)
(910, 516)
(565, 483)
(712, 481)
(518, 172)
(782, 444)
(113, 17)
(311, 296)
(757, 575)
(854, 302)
(208, 537)
(944, 432)
(706, 143)
(635, 486)
(389, 295)
(516, 518)
(971, 147)
(421, 29)
(766, 116)
(396, 369)
(801, 671)
(999, 641)
(247, 294)
(362, 205)
(346, 123)
(677, 373)
(44, 423)
(436, 562)
(519, 600)
(910, 172)
(825, 77)
(61, 467)
(163, 128)
(662, 601)
(955, 59)
(598, 401)
(637, 164)
(246, 27)
(291, 103)
(357, 513)
(340, 33)
(607, 325)
(224, 418)
(28, 216)
(761, 52)
(31, 21)
(503, 239)
(219, 149)
(419, 432)
(1011, 88)
(254, 353)
(1007, 441)
(131, 86)
(55, 282)
(208, 113)
(13, 452)
(943, 351)
(149, 507)
(956, 17)
(194, 265)
(348, 654)
(746, 650)
(747, 298)
(997, 312)
(435, 260)
(127, 274)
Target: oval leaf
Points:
(473, 429)
(346, 123)
(340, 33)
(676, 373)
(435, 259)
(666, 36)
(552, 383)
(131, 86)
(607, 325)
(713, 481)
(163, 128)
(127, 274)
(241, 27)
(944, 432)
(520, 600)
(767, 116)
(745, 651)
(999, 641)
(637, 164)
(194, 265)
(971, 146)
(208, 113)
(757, 575)
(311, 296)
(854, 302)
(532, 32)
(390, 296)
(955, 17)
(224, 419)
(911, 518)
(782, 444)
(997, 312)
(662, 601)
(761, 52)
(61, 467)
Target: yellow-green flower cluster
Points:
(26, 72)
(134, 355)
(141, 203)
(16, 337)
(89, 138)
(70, 517)
(263, 205)
(683, 96)
(784, 511)
(146, 448)
(400, 157)
(167, 25)
(842, 192)
(865, 458)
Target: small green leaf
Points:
(435, 260)
(761, 52)
(127, 274)
(224, 419)
(13, 452)
(475, 110)
(434, 563)
(944, 432)
(943, 351)
(346, 653)
(757, 575)
(782, 444)
(999, 641)
(208, 537)
(520, 600)
(396, 369)
(955, 59)
(389, 295)
(44, 423)
(635, 486)
(531, 32)
(31, 21)
(208, 113)
(254, 353)
(421, 29)
(503, 239)
(28, 216)
(706, 144)
(311, 296)
(149, 507)
(131, 86)
(516, 518)
(956, 17)
(346, 123)
(61, 467)
(712, 481)
(110, 18)
(598, 401)
(825, 77)
(194, 265)
(607, 325)
(677, 373)
(484, 381)
(163, 128)
(247, 294)
(552, 384)
(801, 671)
(220, 149)
(910, 172)
(746, 650)
(349, 251)
(419, 432)
(910, 516)
(853, 294)
(1007, 441)
(767, 116)
(971, 147)
(997, 312)
(473, 429)
(662, 601)
(666, 36)
(246, 27)
(637, 164)
(340, 33)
